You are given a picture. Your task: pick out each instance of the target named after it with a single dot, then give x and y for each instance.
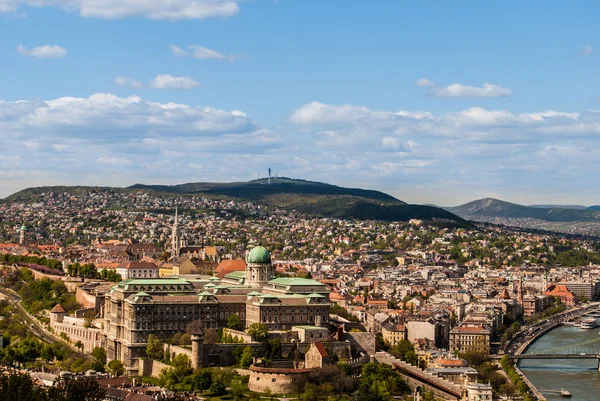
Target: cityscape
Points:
(228, 200)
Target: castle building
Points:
(138, 307)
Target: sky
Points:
(431, 101)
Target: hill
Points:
(260, 189)
(494, 208)
(314, 198)
(309, 197)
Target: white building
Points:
(129, 270)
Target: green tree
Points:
(202, 380)
(405, 350)
(258, 331)
(234, 322)
(246, 358)
(217, 388)
(155, 348)
(98, 359)
(116, 367)
(79, 345)
(238, 389)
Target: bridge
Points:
(575, 351)
(556, 356)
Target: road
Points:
(31, 323)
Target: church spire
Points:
(175, 237)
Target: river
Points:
(579, 376)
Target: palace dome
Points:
(259, 254)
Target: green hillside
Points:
(308, 197)
(314, 198)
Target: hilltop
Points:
(308, 197)
(314, 198)
(495, 208)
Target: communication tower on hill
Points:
(269, 175)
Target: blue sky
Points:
(433, 102)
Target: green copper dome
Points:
(23, 227)
(259, 255)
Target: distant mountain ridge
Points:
(495, 208)
(576, 207)
(309, 197)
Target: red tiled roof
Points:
(321, 349)
(58, 309)
(229, 266)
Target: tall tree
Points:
(155, 348)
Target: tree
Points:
(99, 359)
(19, 387)
(234, 322)
(88, 319)
(246, 358)
(202, 380)
(311, 392)
(258, 331)
(238, 389)
(217, 388)
(155, 348)
(185, 339)
(116, 367)
(210, 336)
(79, 345)
(76, 389)
(405, 350)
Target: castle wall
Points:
(278, 381)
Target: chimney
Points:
(340, 333)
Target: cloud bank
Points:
(115, 9)
(419, 156)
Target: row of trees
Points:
(516, 379)
(52, 264)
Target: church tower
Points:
(175, 238)
(22, 235)
(259, 268)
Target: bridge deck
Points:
(555, 356)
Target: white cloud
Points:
(105, 116)
(441, 158)
(460, 90)
(167, 81)
(424, 83)
(200, 52)
(155, 9)
(46, 51)
(132, 83)
(587, 50)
